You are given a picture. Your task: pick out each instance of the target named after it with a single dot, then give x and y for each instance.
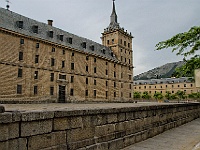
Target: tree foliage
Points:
(186, 43)
(187, 70)
(137, 95)
(158, 95)
(146, 95)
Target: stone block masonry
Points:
(90, 128)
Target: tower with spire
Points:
(120, 42)
(118, 39)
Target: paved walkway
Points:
(185, 137)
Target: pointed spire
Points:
(113, 17)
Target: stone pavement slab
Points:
(185, 137)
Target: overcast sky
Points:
(149, 21)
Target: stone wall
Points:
(90, 129)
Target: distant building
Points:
(40, 62)
(171, 85)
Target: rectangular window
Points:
(106, 63)
(36, 75)
(35, 29)
(86, 68)
(114, 74)
(36, 59)
(114, 94)
(113, 41)
(108, 42)
(124, 43)
(72, 53)
(61, 37)
(62, 76)
(35, 90)
(19, 73)
(185, 85)
(106, 94)
(106, 72)
(52, 77)
(19, 89)
(95, 93)
(128, 45)
(51, 90)
(95, 82)
(121, 94)
(70, 40)
(122, 85)
(51, 34)
(21, 55)
(72, 66)
(130, 95)
(130, 87)
(114, 84)
(52, 61)
(63, 64)
(20, 24)
(121, 58)
(191, 85)
(72, 79)
(21, 41)
(86, 80)
(86, 92)
(129, 77)
(95, 60)
(95, 70)
(106, 83)
(87, 57)
(84, 44)
(37, 45)
(53, 49)
(72, 92)
(63, 52)
(92, 47)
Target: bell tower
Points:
(118, 39)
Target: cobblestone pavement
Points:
(185, 137)
(72, 106)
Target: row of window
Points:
(35, 91)
(113, 42)
(20, 73)
(145, 87)
(70, 41)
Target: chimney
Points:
(50, 22)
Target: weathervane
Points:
(7, 6)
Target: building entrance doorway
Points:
(61, 98)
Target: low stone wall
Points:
(90, 129)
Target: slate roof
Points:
(9, 20)
(163, 81)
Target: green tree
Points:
(137, 95)
(180, 94)
(187, 43)
(158, 95)
(173, 96)
(146, 95)
(168, 95)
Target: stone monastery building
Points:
(39, 62)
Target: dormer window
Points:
(35, 29)
(92, 47)
(61, 37)
(84, 44)
(103, 51)
(69, 40)
(51, 34)
(20, 24)
(112, 54)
